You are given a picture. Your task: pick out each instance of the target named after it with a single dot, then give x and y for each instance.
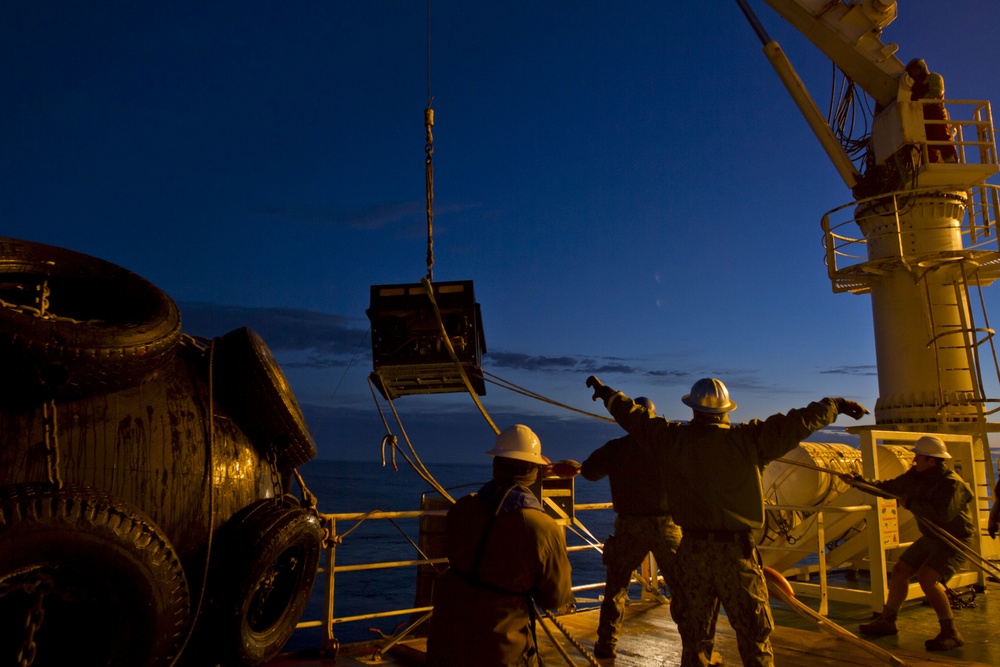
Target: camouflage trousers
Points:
(635, 536)
(713, 572)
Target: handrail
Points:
(846, 251)
(335, 540)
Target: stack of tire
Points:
(138, 509)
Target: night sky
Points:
(628, 185)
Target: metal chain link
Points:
(38, 588)
(272, 463)
(50, 426)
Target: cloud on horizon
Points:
(312, 340)
(865, 370)
(287, 329)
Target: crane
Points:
(920, 233)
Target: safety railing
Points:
(971, 124)
(846, 250)
(885, 532)
(816, 558)
(583, 545)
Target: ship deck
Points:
(650, 638)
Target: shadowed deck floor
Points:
(650, 639)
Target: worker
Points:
(935, 493)
(929, 85)
(712, 470)
(642, 525)
(505, 555)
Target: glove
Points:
(851, 478)
(992, 528)
(850, 408)
(598, 387)
(565, 469)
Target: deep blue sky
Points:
(628, 185)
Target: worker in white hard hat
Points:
(933, 491)
(506, 555)
(643, 524)
(712, 473)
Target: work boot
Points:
(604, 650)
(947, 639)
(882, 625)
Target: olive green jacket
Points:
(713, 472)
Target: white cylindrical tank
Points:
(790, 484)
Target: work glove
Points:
(565, 469)
(850, 477)
(601, 390)
(850, 408)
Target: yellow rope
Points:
(826, 624)
(454, 357)
(510, 386)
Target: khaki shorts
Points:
(941, 557)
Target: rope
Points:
(510, 386)
(390, 440)
(776, 589)
(209, 467)
(556, 644)
(591, 660)
(454, 357)
(973, 556)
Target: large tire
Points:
(104, 328)
(251, 387)
(109, 584)
(262, 578)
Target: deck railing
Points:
(587, 547)
(581, 543)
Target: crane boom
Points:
(849, 33)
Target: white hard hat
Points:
(931, 445)
(709, 395)
(519, 442)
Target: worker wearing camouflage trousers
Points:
(643, 524)
(711, 469)
(721, 567)
(635, 537)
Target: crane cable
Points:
(429, 160)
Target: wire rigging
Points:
(429, 151)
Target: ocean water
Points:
(353, 486)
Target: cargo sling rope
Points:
(468, 385)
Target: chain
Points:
(784, 525)
(956, 601)
(43, 298)
(272, 464)
(37, 588)
(51, 442)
